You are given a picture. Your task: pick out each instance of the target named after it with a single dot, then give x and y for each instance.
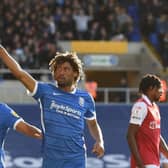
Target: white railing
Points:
(14, 92)
(116, 95)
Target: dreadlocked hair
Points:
(148, 81)
(70, 57)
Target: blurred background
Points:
(117, 40)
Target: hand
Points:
(38, 135)
(140, 165)
(98, 149)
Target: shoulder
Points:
(5, 109)
(140, 103)
(3, 106)
(46, 85)
(43, 83)
(138, 113)
(140, 106)
(83, 93)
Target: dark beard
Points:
(63, 85)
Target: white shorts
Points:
(163, 159)
(151, 166)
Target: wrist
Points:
(101, 142)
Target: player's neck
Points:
(151, 99)
(68, 88)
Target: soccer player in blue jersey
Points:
(64, 109)
(10, 119)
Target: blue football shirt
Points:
(8, 119)
(63, 116)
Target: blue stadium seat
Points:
(153, 38)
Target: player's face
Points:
(157, 92)
(65, 75)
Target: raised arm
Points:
(16, 70)
(29, 130)
(96, 133)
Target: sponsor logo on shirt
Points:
(65, 110)
(154, 125)
(136, 117)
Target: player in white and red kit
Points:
(144, 136)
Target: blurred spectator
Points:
(164, 46)
(92, 33)
(19, 54)
(163, 97)
(123, 84)
(81, 20)
(91, 87)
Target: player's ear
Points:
(151, 88)
(75, 74)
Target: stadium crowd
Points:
(30, 30)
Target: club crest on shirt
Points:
(15, 114)
(81, 101)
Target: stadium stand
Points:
(32, 31)
(36, 26)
